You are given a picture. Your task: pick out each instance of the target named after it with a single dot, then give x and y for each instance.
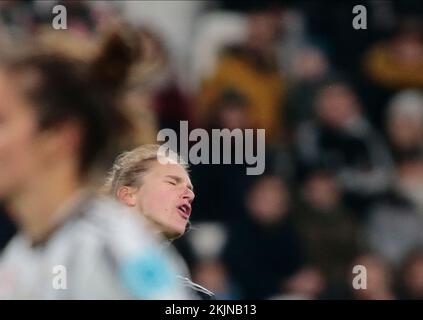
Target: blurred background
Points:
(343, 113)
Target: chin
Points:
(174, 233)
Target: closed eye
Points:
(175, 180)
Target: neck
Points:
(158, 229)
(36, 208)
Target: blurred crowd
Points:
(343, 114)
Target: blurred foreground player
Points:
(159, 187)
(59, 122)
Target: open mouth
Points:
(184, 211)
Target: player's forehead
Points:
(173, 170)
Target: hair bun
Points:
(119, 51)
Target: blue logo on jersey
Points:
(149, 275)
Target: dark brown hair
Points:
(86, 91)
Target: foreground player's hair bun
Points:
(86, 87)
(119, 51)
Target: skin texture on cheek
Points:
(17, 138)
(158, 199)
(158, 203)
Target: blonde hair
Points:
(129, 167)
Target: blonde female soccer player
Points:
(159, 187)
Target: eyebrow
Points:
(179, 180)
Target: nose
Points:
(189, 195)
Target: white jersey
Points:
(101, 251)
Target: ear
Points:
(126, 195)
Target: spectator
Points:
(230, 112)
(222, 189)
(342, 140)
(307, 284)
(80, 18)
(375, 280)
(395, 223)
(156, 85)
(310, 68)
(328, 230)
(392, 65)
(17, 17)
(252, 70)
(263, 251)
(411, 276)
(379, 279)
(398, 62)
(405, 124)
(213, 275)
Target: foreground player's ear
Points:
(126, 195)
